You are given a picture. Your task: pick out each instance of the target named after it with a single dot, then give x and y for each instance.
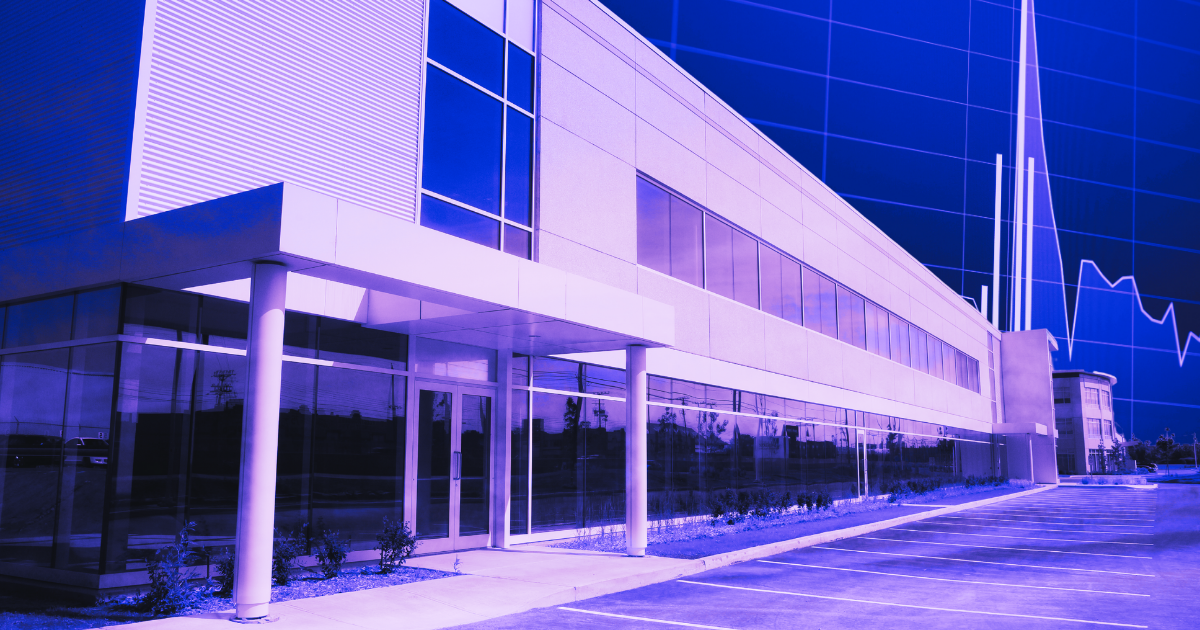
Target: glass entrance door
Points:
(453, 454)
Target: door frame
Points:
(457, 388)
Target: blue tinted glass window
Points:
(654, 227)
(520, 78)
(97, 312)
(161, 314)
(772, 284)
(687, 249)
(745, 269)
(791, 292)
(518, 168)
(812, 300)
(719, 257)
(43, 321)
(460, 222)
(351, 342)
(828, 306)
(517, 241)
(466, 46)
(462, 145)
(224, 323)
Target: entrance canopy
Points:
(349, 262)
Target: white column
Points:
(1029, 248)
(635, 451)
(1032, 477)
(996, 244)
(500, 488)
(260, 443)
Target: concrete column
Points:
(501, 489)
(260, 443)
(635, 451)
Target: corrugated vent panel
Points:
(322, 94)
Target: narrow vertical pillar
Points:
(1029, 247)
(260, 443)
(501, 486)
(996, 243)
(635, 451)
(1032, 476)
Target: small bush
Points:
(331, 552)
(895, 489)
(168, 572)
(224, 578)
(823, 500)
(743, 502)
(396, 543)
(806, 500)
(287, 548)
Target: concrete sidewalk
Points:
(497, 582)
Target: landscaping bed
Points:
(698, 537)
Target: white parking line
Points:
(1038, 529)
(670, 623)
(1078, 553)
(1013, 520)
(1097, 542)
(926, 577)
(1074, 517)
(1003, 564)
(953, 610)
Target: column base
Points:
(636, 553)
(253, 613)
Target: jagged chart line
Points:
(1181, 354)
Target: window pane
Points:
(445, 358)
(556, 474)
(518, 169)
(772, 283)
(519, 484)
(914, 345)
(871, 322)
(300, 334)
(948, 363)
(520, 369)
(293, 476)
(828, 306)
(351, 342)
(654, 227)
(224, 323)
(43, 321)
(358, 458)
(791, 291)
(718, 242)
(463, 129)
(212, 491)
(466, 46)
(845, 312)
(557, 374)
(455, 221)
(517, 241)
(935, 356)
(812, 300)
(33, 387)
(858, 322)
(97, 312)
(603, 380)
(161, 314)
(745, 269)
(687, 250)
(86, 455)
(881, 316)
(899, 329)
(520, 78)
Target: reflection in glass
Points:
(520, 78)
(444, 358)
(473, 465)
(216, 445)
(434, 422)
(224, 323)
(518, 170)
(455, 221)
(772, 282)
(517, 242)
(33, 387)
(654, 227)
(43, 321)
(97, 313)
(519, 484)
(578, 460)
(161, 314)
(462, 143)
(792, 300)
(466, 46)
(86, 454)
(351, 342)
(687, 249)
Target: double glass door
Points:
(453, 456)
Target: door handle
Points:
(456, 465)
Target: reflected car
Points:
(30, 451)
(86, 451)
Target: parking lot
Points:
(1066, 558)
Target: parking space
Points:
(1066, 558)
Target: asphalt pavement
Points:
(1102, 557)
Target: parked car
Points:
(86, 451)
(1152, 467)
(30, 451)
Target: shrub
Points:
(806, 500)
(823, 500)
(785, 502)
(895, 489)
(762, 502)
(287, 547)
(331, 552)
(396, 543)
(224, 579)
(169, 589)
(743, 502)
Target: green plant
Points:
(288, 546)
(331, 552)
(823, 500)
(396, 543)
(224, 578)
(168, 571)
(806, 500)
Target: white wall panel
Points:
(320, 93)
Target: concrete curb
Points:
(708, 563)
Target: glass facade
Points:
(568, 447)
(477, 163)
(678, 238)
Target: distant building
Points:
(1083, 415)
